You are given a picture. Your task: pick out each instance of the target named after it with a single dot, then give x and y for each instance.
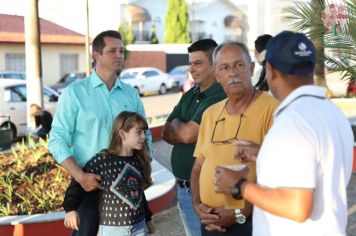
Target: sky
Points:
(103, 14)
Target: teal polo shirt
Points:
(191, 107)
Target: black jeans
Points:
(234, 230)
(89, 215)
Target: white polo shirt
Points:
(310, 145)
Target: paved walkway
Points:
(168, 222)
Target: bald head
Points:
(231, 45)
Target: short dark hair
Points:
(98, 42)
(261, 42)
(238, 44)
(205, 45)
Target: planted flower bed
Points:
(30, 181)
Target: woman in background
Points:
(260, 54)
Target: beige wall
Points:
(50, 58)
(50, 67)
(9, 48)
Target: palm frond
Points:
(340, 43)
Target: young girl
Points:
(125, 172)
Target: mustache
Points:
(234, 80)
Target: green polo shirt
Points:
(191, 107)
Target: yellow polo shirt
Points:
(256, 121)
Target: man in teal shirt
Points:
(84, 117)
(182, 126)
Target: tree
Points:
(330, 26)
(128, 36)
(154, 39)
(176, 22)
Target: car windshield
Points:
(179, 70)
(129, 75)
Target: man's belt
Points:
(183, 183)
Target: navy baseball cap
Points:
(291, 53)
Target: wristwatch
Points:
(239, 217)
(236, 190)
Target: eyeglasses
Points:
(230, 140)
(226, 141)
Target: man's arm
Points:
(63, 127)
(292, 203)
(178, 131)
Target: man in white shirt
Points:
(305, 161)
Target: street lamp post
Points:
(87, 41)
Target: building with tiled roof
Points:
(62, 50)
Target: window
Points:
(15, 62)
(68, 63)
(15, 94)
(18, 94)
(150, 73)
(48, 96)
(129, 75)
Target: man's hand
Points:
(205, 214)
(225, 220)
(245, 151)
(226, 179)
(90, 181)
(226, 217)
(168, 134)
(71, 220)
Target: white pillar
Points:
(33, 56)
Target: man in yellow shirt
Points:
(245, 114)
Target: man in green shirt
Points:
(182, 126)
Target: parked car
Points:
(147, 80)
(188, 83)
(12, 75)
(178, 74)
(67, 79)
(13, 103)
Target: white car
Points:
(179, 74)
(13, 104)
(147, 80)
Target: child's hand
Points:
(71, 220)
(150, 227)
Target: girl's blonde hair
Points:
(127, 120)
